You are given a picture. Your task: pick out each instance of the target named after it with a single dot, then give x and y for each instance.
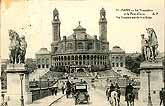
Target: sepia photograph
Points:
(82, 53)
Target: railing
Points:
(39, 93)
(41, 88)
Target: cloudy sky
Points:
(32, 18)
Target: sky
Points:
(32, 18)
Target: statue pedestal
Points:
(0, 84)
(14, 85)
(156, 82)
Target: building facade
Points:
(80, 50)
(43, 58)
(117, 57)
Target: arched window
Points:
(121, 58)
(80, 45)
(87, 57)
(80, 57)
(39, 66)
(64, 57)
(72, 57)
(84, 57)
(69, 46)
(91, 57)
(98, 57)
(68, 57)
(95, 57)
(47, 61)
(59, 58)
(90, 46)
(76, 58)
(43, 60)
(113, 64)
(38, 61)
(117, 64)
(121, 64)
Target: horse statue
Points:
(152, 43)
(17, 48)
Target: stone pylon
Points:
(150, 78)
(14, 85)
(0, 84)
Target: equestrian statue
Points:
(17, 48)
(149, 45)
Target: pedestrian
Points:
(63, 88)
(107, 93)
(55, 91)
(162, 96)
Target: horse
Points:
(114, 99)
(14, 46)
(130, 99)
(153, 43)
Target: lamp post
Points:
(149, 89)
(40, 86)
(163, 63)
(22, 99)
(48, 86)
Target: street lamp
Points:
(149, 89)
(22, 99)
(163, 63)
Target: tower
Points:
(55, 30)
(103, 25)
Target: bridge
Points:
(97, 98)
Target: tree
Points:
(30, 66)
(133, 63)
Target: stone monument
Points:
(150, 71)
(0, 84)
(17, 77)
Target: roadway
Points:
(97, 98)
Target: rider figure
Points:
(129, 89)
(112, 88)
(118, 91)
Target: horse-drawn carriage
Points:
(81, 93)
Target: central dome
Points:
(79, 34)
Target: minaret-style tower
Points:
(103, 25)
(55, 30)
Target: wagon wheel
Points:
(78, 101)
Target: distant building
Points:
(43, 58)
(78, 50)
(117, 57)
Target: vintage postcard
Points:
(82, 53)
